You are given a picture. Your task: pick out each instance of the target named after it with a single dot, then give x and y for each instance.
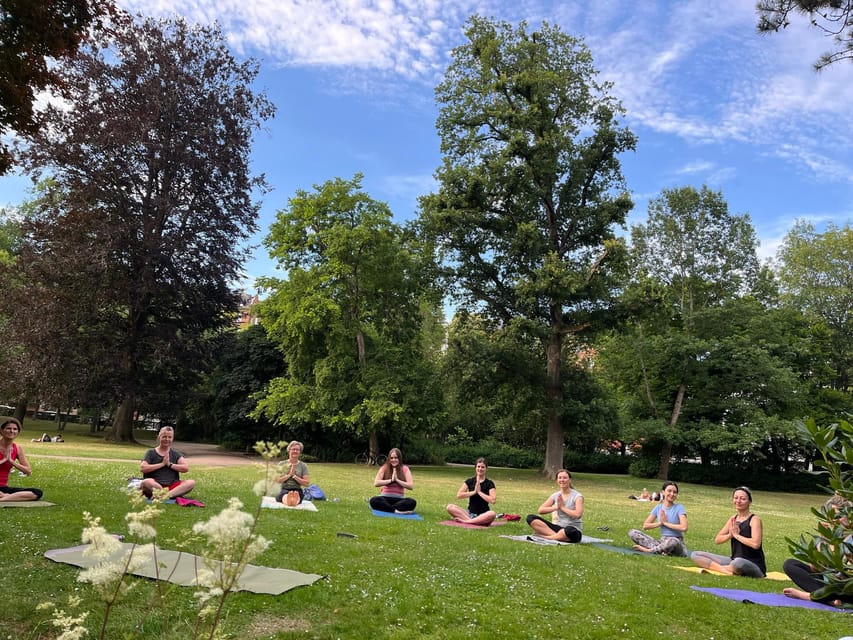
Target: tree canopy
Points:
(530, 190)
(32, 33)
(347, 317)
(833, 17)
(140, 232)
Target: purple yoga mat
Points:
(769, 599)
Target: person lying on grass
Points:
(805, 575)
(744, 530)
(161, 468)
(671, 518)
(567, 504)
(393, 479)
(12, 457)
(481, 494)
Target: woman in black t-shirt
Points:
(481, 494)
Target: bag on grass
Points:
(313, 492)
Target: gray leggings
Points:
(666, 546)
(740, 566)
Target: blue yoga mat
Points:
(402, 516)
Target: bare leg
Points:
(541, 529)
(182, 489)
(18, 496)
(458, 513)
(484, 519)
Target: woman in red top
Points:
(12, 457)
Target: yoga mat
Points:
(768, 599)
(545, 541)
(268, 502)
(625, 550)
(771, 575)
(28, 503)
(466, 525)
(180, 568)
(402, 516)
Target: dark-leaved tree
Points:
(31, 34)
(139, 238)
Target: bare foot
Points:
(403, 513)
(797, 594)
(638, 547)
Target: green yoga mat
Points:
(180, 568)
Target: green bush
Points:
(644, 466)
(596, 462)
(496, 454)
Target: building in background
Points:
(247, 315)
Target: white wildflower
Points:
(141, 523)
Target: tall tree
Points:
(690, 257)
(815, 271)
(152, 199)
(530, 190)
(833, 17)
(347, 318)
(31, 34)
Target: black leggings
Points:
(804, 577)
(573, 534)
(390, 504)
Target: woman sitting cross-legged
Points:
(12, 457)
(393, 479)
(671, 518)
(481, 494)
(567, 503)
(744, 531)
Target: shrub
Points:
(596, 462)
(644, 466)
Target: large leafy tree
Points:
(347, 317)
(815, 273)
(220, 410)
(689, 258)
(32, 33)
(138, 241)
(833, 17)
(530, 191)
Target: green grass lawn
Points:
(402, 578)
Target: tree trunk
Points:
(122, 430)
(373, 444)
(21, 409)
(666, 452)
(555, 442)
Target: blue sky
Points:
(710, 100)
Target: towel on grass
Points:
(468, 525)
(180, 568)
(771, 575)
(27, 503)
(268, 502)
(768, 599)
(545, 541)
(402, 516)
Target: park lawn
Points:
(415, 579)
(81, 442)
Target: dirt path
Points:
(198, 454)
